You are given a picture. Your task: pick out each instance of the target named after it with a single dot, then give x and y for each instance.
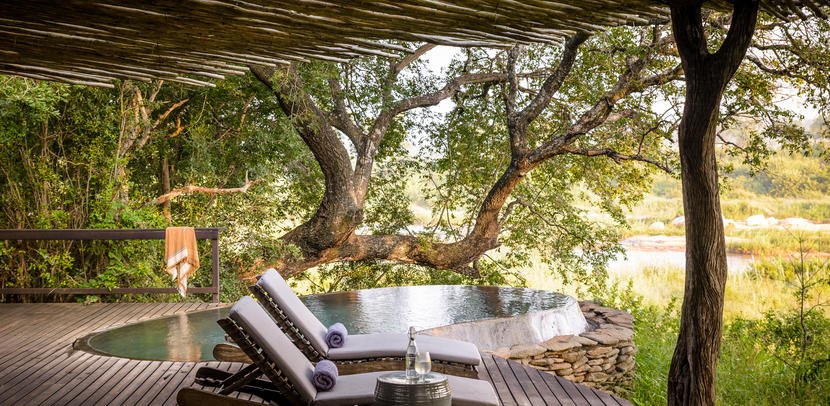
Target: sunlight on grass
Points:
(746, 296)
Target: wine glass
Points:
(423, 364)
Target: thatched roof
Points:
(93, 42)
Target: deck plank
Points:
(40, 361)
(527, 385)
(66, 365)
(535, 376)
(39, 366)
(497, 380)
(512, 383)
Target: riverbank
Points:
(752, 244)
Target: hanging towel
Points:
(181, 255)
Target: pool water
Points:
(192, 336)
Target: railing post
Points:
(215, 267)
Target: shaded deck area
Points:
(39, 366)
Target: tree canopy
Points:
(318, 163)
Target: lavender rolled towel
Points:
(325, 375)
(336, 335)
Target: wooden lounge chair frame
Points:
(279, 389)
(354, 366)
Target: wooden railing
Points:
(211, 234)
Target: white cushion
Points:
(256, 322)
(360, 389)
(297, 312)
(358, 346)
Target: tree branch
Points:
(597, 115)
(733, 49)
(162, 117)
(309, 121)
(661, 78)
(339, 116)
(760, 64)
(616, 156)
(190, 189)
(449, 89)
(512, 82)
(553, 82)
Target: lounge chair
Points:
(361, 352)
(289, 373)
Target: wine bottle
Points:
(411, 352)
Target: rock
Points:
(573, 356)
(622, 358)
(600, 337)
(619, 320)
(620, 313)
(628, 350)
(597, 377)
(657, 225)
(526, 350)
(626, 365)
(599, 355)
(797, 223)
(582, 368)
(580, 362)
(564, 372)
(595, 368)
(584, 341)
(561, 365)
(679, 221)
(561, 343)
(502, 352)
(757, 220)
(619, 333)
(587, 305)
(540, 362)
(626, 343)
(595, 362)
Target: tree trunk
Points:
(692, 372)
(330, 234)
(692, 376)
(165, 187)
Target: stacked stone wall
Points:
(601, 358)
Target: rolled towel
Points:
(336, 335)
(325, 375)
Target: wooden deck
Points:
(39, 367)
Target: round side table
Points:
(395, 389)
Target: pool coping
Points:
(82, 343)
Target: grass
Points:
(746, 375)
(735, 206)
(747, 372)
(817, 210)
(761, 242)
(746, 296)
(775, 242)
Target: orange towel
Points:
(181, 255)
